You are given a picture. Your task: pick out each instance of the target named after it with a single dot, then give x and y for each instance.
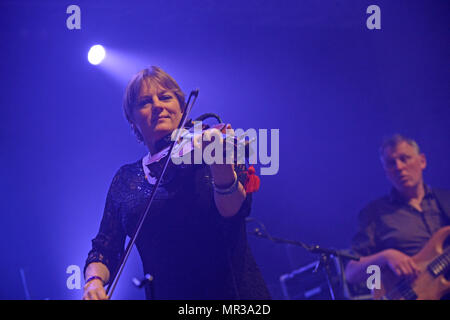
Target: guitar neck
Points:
(440, 264)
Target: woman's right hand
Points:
(94, 290)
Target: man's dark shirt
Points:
(391, 223)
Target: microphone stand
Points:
(324, 262)
(124, 258)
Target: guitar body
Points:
(426, 286)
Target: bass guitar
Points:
(433, 261)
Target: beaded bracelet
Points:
(93, 278)
(230, 189)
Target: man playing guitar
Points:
(394, 228)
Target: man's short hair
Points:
(394, 140)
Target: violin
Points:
(191, 137)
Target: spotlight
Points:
(96, 54)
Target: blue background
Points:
(309, 68)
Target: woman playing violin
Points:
(193, 242)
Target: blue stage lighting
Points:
(96, 54)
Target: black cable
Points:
(208, 115)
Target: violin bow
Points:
(124, 258)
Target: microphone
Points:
(141, 283)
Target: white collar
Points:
(146, 161)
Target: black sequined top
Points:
(190, 249)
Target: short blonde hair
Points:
(157, 77)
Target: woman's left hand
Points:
(212, 135)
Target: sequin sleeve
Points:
(108, 245)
